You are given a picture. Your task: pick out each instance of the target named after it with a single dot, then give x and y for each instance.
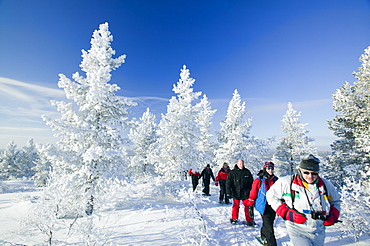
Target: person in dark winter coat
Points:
(257, 199)
(207, 174)
(194, 178)
(221, 179)
(306, 202)
(238, 186)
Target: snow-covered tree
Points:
(90, 145)
(43, 166)
(354, 202)
(349, 161)
(362, 91)
(144, 138)
(295, 145)
(346, 151)
(362, 114)
(179, 133)
(235, 140)
(28, 156)
(9, 166)
(204, 119)
(351, 125)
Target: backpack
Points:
(261, 201)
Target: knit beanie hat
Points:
(268, 164)
(310, 163)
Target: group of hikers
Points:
(306, 201)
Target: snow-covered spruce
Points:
(179, 135)
(296, 144)
(90, 152)
(235, 141)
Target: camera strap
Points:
(308, 199)
(292, 192)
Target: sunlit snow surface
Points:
(143, 221)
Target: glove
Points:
(250, 203)
(333, 216)
(216, 183)
(290, 214)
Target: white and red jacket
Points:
(320, 196)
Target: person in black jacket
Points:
(194, 178)
(207, 174)
(238, 185)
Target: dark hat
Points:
(268, 164)
(310, 163)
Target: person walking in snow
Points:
(194, 178)
(238, 186)
(306, 202)
(221, 179)
(207, 174)
(257, 199)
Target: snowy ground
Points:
(144, 221)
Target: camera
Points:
(318, 216)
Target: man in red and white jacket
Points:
(221, 179)
(306, 202)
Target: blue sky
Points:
(273, 52)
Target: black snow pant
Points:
(206, 186)
(267, 230)
(223, 196)
(194, 181)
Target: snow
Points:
(200, 220)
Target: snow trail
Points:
(145, 220)
(218, 218)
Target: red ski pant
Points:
(235, 210)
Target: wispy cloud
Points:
(24, 129)
(21, 106)
(19, 90)
(313, 103)
(266, 105)
(147, 98)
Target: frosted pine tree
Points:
(144, 138)
(43, 166)
(362, 90)
(346, 158)
(235, 141)
(204, 119)
(349, 160)
(90, 145)
(351, 124)
(295, 144)
(28, 156)
(9, 165)
(179, 133)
